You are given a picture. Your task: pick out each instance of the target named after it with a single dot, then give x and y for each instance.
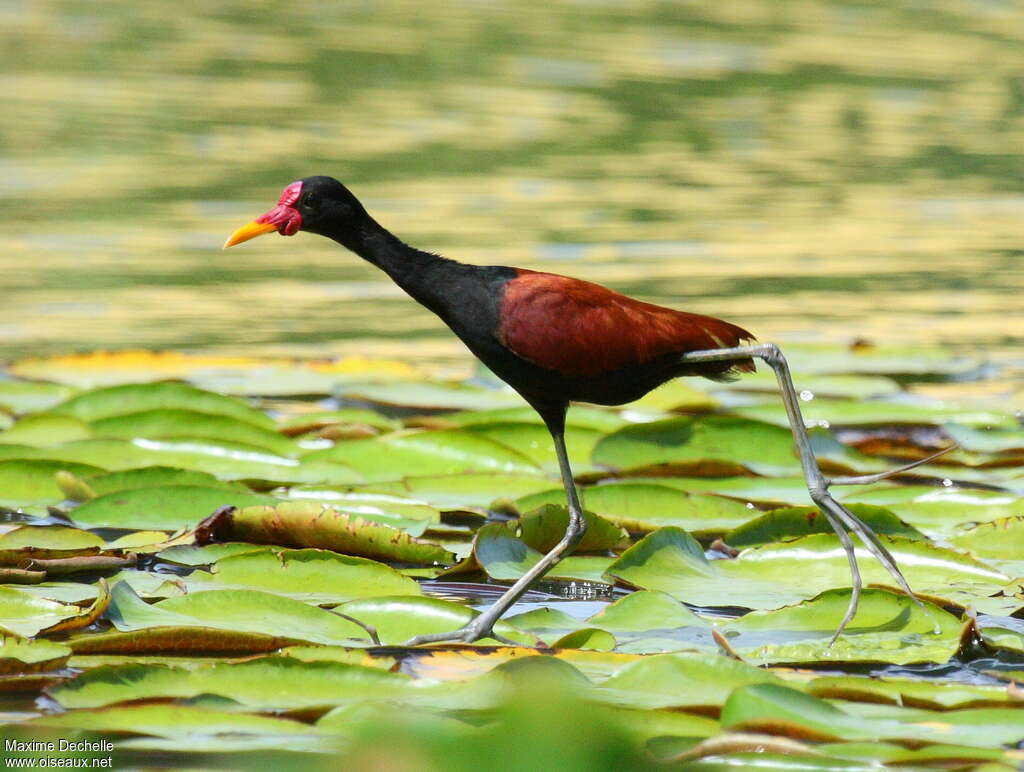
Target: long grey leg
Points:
(480, 626)
(837, 515)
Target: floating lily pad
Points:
(312, 576)
(243, 611)
(306, 524)
(940, 510)
(24, 656)
(25, 615)
(430, 395)
(841, 412)
(161, 507)
(397, 619)
(781, 574)
(25, 481)
(545, 526)
(781, 710)
(680, 681)
(179, 422)
(269, 683)
(32, 396)
(779, 524)
(506, 558)
(465, 490)
(645, 506)
(182, 722)
(375, 506)
(887, 628)
(46, 429)
(111, 401)
(402, 454)
(53, 537)
(579, 416)
(191, 555)
(687, 442)
(534, 441)
(758, 490)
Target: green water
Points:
(814, 171)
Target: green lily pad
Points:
(779, 524)
(54, 537)
(22, 656)
(227, 461)
(590, 638)
(534, 441)
(814, 358)
(986, 440)
(312, 576)
(781, 574)
(887, 628)
(307, 524)
(28, 481)
(381, 507)
(676, 394)
(579, 417)
(430, 395)
(755, 445)
(191, 555)
(304, 422)
(680, 681)
(781, 710)
(841, 412)
(179, 422)
(184, 723)
(269, 683)
(932, 694)
(402, 454)
(464, 490)
(650, 622)
(506, 558)
(1000, 542)
(646, 506)
(939, 511)
(46, 429)
(24, 614)
(545, 526)
(162, 507)
(397, 619)
(32, 396)
(152, 476)
(755, 490)
(244, 611)
(97, 404)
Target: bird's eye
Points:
(309, 202)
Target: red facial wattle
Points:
(283, 218)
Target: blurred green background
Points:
(812, 170)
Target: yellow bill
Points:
(250, 231)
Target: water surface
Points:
(812, 170)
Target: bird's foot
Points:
(468, 633)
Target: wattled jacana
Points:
(556, 340)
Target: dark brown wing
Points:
(583, 329)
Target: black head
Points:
(315, 204)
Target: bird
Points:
(557, 340)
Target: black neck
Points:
(411, 269)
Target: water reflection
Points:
(810, 170)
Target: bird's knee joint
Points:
(819, 492)
(772, 354)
